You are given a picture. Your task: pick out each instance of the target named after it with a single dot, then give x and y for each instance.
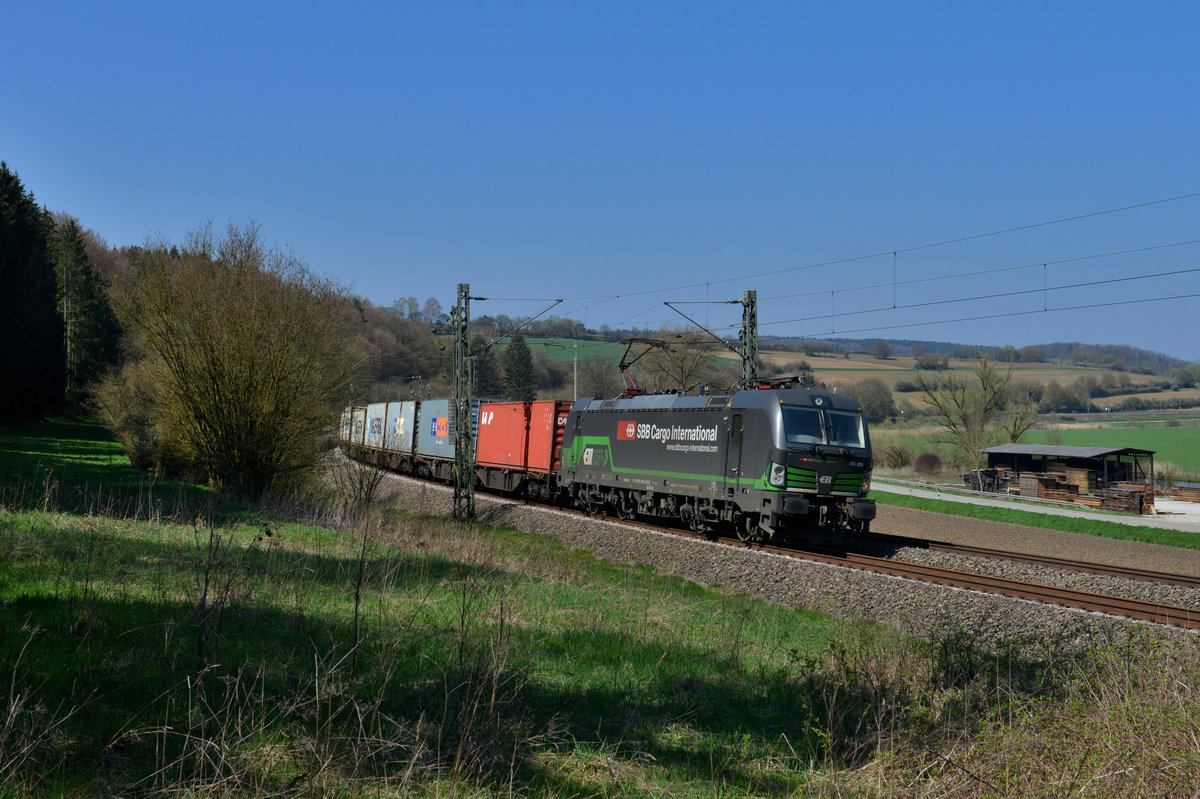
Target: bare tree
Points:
(686, 363)
(431, 311)
(1020, 414)
(247, 351)
(598, 377)
(972, 408)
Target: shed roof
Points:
(1064, 452)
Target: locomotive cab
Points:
(819, 464)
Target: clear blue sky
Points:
(587, 150)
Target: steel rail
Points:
(1102, 569)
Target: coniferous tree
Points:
(518, 370)
(489, 381)
(91, 332)
(31, 333)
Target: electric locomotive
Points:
(762, 463)
(759, 462)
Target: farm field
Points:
(840, 373)
(563, 349)
(1177, 445)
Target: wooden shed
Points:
(1120, 478)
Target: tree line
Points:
(216, 358)
(58, 329)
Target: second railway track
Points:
(1126, 607)
(1049, 561)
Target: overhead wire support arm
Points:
(524, 324)
(722, 341)
(632, 389)
(747, 336)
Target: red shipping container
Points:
(524, 436)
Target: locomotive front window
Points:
(802, 425)
(846, 429)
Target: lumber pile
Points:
(1065, 487)
(1048, 485)
(1188, 493)
(1129, 498)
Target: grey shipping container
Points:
(376, 420)
(400, 434)
(435, 428)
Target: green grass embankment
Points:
(162, 643)
(1045, 521)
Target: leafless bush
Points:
(355, 488)
(1168, 474)
(896, 455)
(218, 571)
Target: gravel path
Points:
(914, 607)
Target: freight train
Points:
(761, 463)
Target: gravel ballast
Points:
(917, 608)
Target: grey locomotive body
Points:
(758, 462)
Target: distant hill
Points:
(1119, 356)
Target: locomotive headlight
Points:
(778, 475)
(866, 484)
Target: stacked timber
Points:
(1187, 493)
(1129, 498)
(1084, 480)
(1048, 485)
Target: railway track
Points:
(1105, 570)
(1185, 618)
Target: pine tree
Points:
(518, 370)
(489, 382)
(31, 333)
(91, 332)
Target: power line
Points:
(991, 271)
(995, 295)
(1089, 306)
(895, 251)
(833, 294)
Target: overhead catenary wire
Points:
(837, 310)
(992, 296)
(893, 252)
(990, 271)
(979, 317)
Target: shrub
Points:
(1167, 475)
(928, 463)
(896, 455)
(933, 362)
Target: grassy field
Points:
(564, 349)
(168, 644)
(1177, 445)
(839, 371)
